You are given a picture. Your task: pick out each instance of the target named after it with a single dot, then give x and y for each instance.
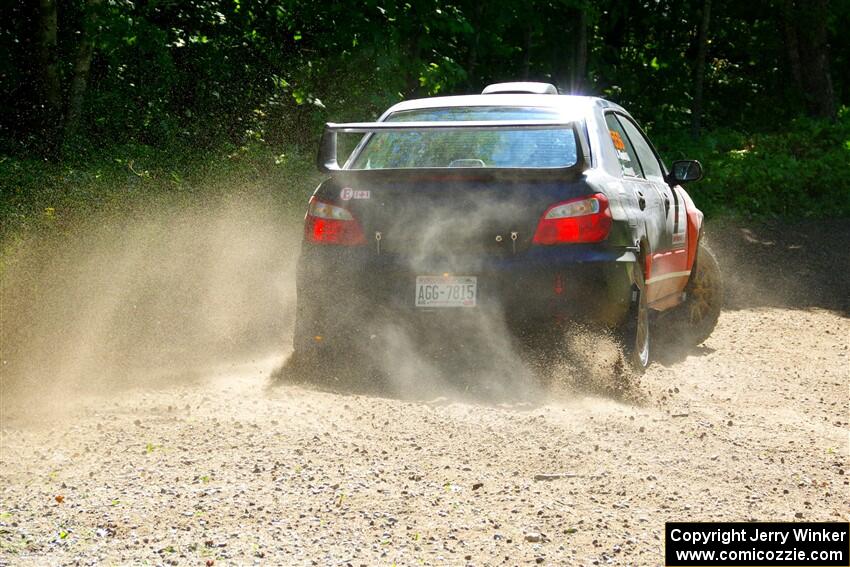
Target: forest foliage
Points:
(156, 92)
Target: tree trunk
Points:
(472, 61)
(82, 65)
(792, 45)
(805, 26)
(812, 31)
(579, 67)
(699, 70)
(526, 56)
(414, 50)
(51, 91)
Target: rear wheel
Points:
(635, 334)
(693, 321)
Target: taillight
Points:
(586, 219)
(330, 224)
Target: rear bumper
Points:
(345, 293)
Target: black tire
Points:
(635, 333)
(693, 321)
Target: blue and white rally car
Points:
(543, 208)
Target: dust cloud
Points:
(148, 298)
(173, 291)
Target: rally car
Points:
(539, 207)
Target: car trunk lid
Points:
(450, 218)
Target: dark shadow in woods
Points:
(802, 265)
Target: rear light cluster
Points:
(586, 219)
(330, 224)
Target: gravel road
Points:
(228, 466)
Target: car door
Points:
(668, 265)
(645, 190)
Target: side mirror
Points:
(683, 171)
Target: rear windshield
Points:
(469, 148)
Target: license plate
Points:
(446, 291)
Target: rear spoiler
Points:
(327, 158)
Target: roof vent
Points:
(520, 88)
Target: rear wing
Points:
(327, 158)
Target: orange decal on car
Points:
(618, 140)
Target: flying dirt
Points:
(147, 414)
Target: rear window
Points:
(469, 148)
